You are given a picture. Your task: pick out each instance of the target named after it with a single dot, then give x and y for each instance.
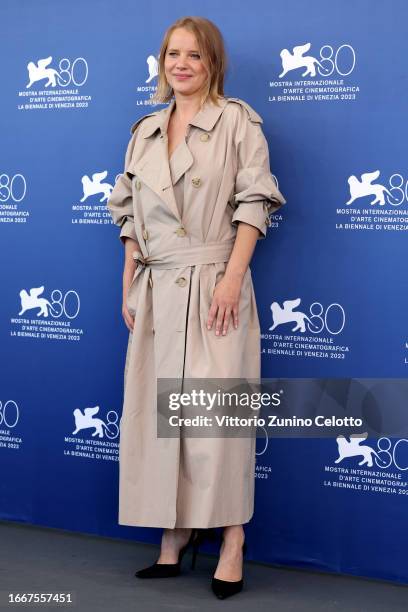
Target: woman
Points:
(194, 198)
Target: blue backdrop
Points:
(330, 81)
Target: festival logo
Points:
(315, 75)
(374, 204)
(152, 67)
(91, 210)
(98, 439)
(295, 59)
(354, 448)
(367, 469)
(95, 186)
(32, 299)
(47, 318)
(149, 85)
(42, 70)
(360, 188)
(13, 191)
(9, 420)
(55, 84)
(305, 332)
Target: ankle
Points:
(173, 538)
(233, 537)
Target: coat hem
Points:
(192, 524)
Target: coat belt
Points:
(206, 253)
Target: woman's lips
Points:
(182, 77)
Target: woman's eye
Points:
(194, 55)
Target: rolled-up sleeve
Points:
(256, 195)
(120, 202)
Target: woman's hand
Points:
(227, 291)
(225, 304)
(129, 320)
(128, 274)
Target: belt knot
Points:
(138, 257)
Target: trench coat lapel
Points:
(153, 167)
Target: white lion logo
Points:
(291, 61)
(287, 315)
(31, 300)
(86, 420)
(352, 449)
(94, 185)
(365, 187)
(153, 67)
(40, 72)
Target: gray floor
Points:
(100, 574)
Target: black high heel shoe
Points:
(225, 588)
(168, 570)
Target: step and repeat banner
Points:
(330, 81)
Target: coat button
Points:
(138, 185)
(196, 181)
(180, 231)
(145, 234)
(204, 137)
(182, 282)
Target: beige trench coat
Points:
(188, 482)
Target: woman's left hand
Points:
(224, 304)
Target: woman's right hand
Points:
(129, 320)
(128, 273)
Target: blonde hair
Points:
(212, 51)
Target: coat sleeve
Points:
(256, 195)
(120, 202)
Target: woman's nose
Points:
(181, 62)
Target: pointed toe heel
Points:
(167, 570)
(159, 570)
(223, 588)
(226, 588)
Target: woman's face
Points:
(184, 70)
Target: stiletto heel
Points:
(202, 535)
(196, 545)
(225, 588)
(167, 570)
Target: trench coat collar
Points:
(205, 119)
(153, 168)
